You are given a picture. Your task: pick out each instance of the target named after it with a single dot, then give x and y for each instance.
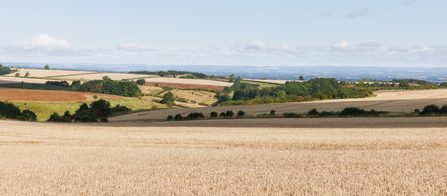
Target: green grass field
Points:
(44, 110)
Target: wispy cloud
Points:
(324, 15)
(44, 48)
(359, 13)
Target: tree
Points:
(168, 97)
(301, 78)
(213, 114)
(17, 74)
(4, 70)
(27, 74)
(140, 82)
(47, 67)
(281, 94)
(106, 78)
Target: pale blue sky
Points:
(274, 33)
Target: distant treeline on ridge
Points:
(170, 72)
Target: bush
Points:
(443, 109)
(195, 115)
(229, 113)
(313, 112)
(430, 109)
(178, 117)
(353, 111)
(87, 118)
(168, 97)
(95, 96)
(58, 83)
(272, 112)
(222, 114)
(55, 117)
(170, 117)
(9, 110)
(213, 114)
(416, 111)
(28, 115)
(240, 113)
(140, 82)
(119, 108)
(291, 115)
(154, 107)
(104, 119)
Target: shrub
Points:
(170, 117)
(443, 109)
(195, 115)
(140, 82)
(240, 113)
(353, 111)
(58, 83)
(28, 115)
(9, 110)
(229, 113)
(17, 74)
(95, 96)
(222, 114)
(213, 114)
(416, 111)
(168, 97)
(291, 115)
(55, 117)
(430, 109)
(313, 112)
(154, 107)
(119, 108)
(178, 117)
(104, 119)
(272, 112)
(87, 118)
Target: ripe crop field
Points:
(43, 73)
(178, 159)
(113, 76)
(403, 101)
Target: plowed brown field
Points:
(47, 95)
(187, 86)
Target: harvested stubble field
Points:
(148, 159)
(42, 73)
(186, 86)
(189, 81)
(8, 80)
(403, 101)
(113, 76)
(49, 95)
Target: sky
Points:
(394, 33)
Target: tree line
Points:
(4, 70)
(170, 72)
(319, 88)
(108, 86)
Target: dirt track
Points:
(404, 101)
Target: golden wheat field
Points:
(306, 157)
